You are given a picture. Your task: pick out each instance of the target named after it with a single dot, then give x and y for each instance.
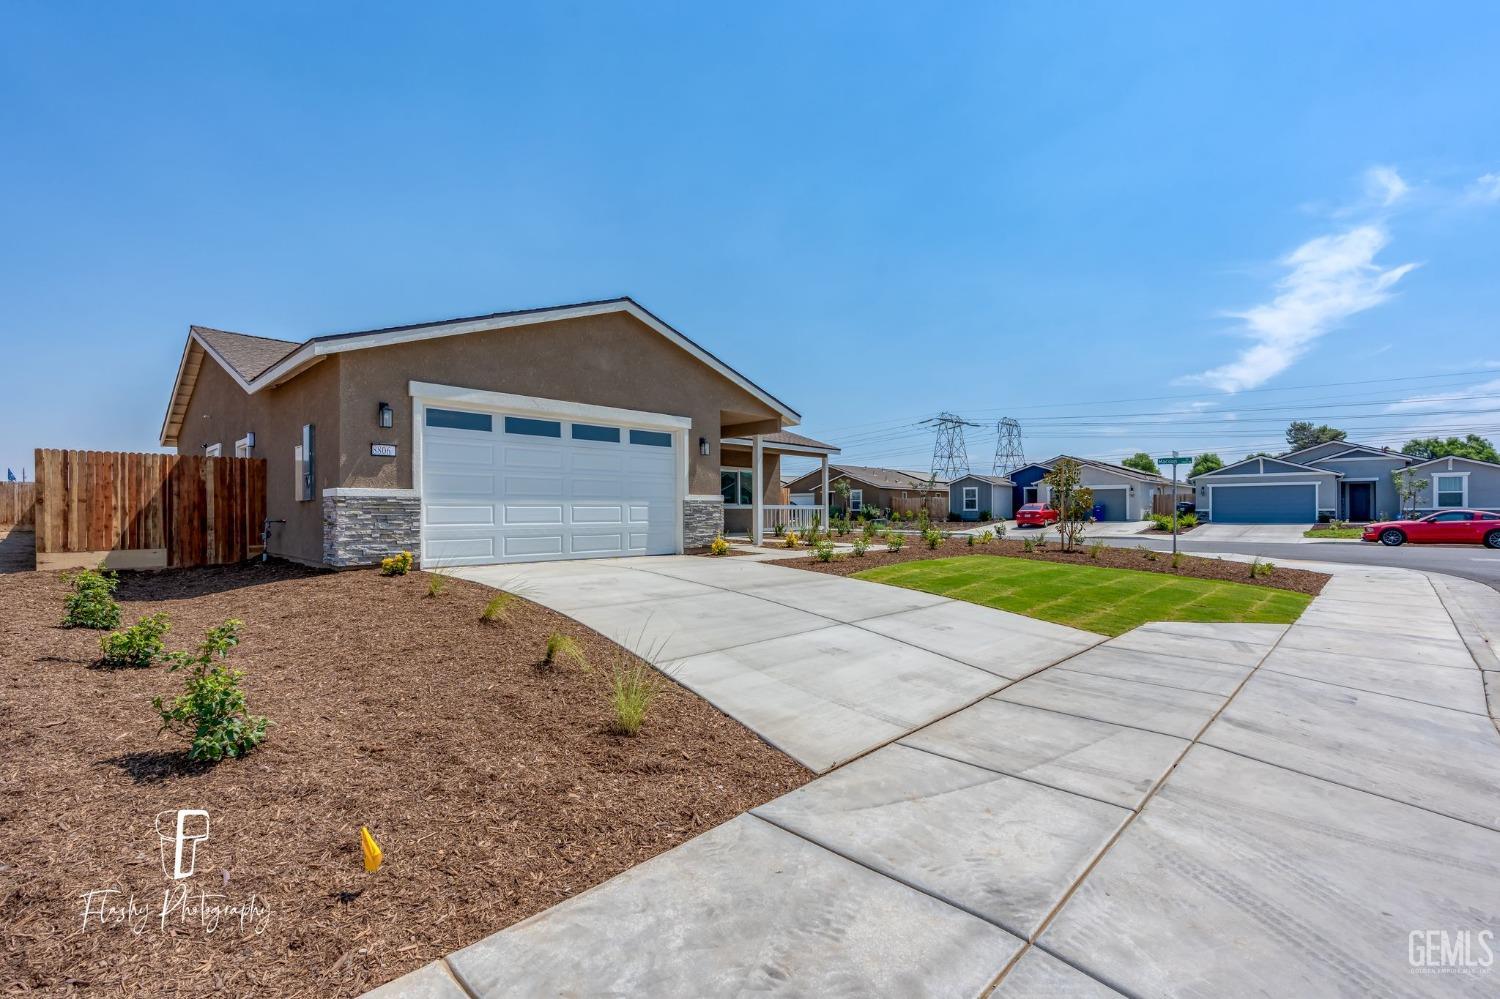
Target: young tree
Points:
(1410, 485)
(841, 490)
(1073, 502)
(1141, 462)
(1206, 462)
(1301, 434)
(1470, 446)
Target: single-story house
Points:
(1336, 479)
(1460, 482)
(1120, 493)
(574, 431)
(972, 496)
(872, 489)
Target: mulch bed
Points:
(1299, 580)
(495, 789)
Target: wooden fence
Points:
(1164, 502)
(17, 501)
(937, 506)
(146, 511)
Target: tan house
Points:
(576, 431)
(875, 489)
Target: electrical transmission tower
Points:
(1008, 453)
(950, 459)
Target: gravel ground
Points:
(496, 789)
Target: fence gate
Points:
(146, 511)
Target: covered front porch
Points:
(755, 501)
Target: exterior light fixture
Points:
(387, 418)
(703, 445)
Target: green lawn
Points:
(1094, 598)
(1334, 532)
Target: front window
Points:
(971, 499)
(1449, 489)
(737, 486)
(856, 500)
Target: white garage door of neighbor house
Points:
(500, 487)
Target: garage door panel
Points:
(1263, 504)
(449, 515)
(490, 496)
(1114, 502)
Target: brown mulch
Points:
(495, 789)
(1299, 580)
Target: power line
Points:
(950, 459)
(1008, 452)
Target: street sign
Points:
(1174, 461)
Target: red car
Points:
(1035, 515)
(1446, 527)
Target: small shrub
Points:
(1000, 530)
(779, 529)
(1259, 568)
(867, 530)
(211, 711)
(987, 535)
(498, 608)
(1096, 548)
(792, 539)
(933, 537)
(894, 542)
(1186, 521)
(92, 603)
(1160, 521)
(396, 565)
(1177, 560)
(630, 686)
(138, 646)
(437, 583)
(969, 540)
(984, 515)
(718, 546)
(1147, 553)
(861, 545)
(823, 551)
(560, 646)
(1031, 543)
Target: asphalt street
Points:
(1469, 561)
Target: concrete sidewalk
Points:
(1187, 809)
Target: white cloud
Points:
(1486, 189)
(1444, 401)
(1384, 186)
(1328, 279)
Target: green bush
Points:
(1186, 521)
(1259, 568)
(823, 551)
(861, 545)
(1096, 548)
(969, 540)
(211, 711)
(894, 542)
(398, 564)
(984, 515)
(138, 646)
(1031, 542)
(933, 537)
(92, 603)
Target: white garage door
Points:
(501, 487)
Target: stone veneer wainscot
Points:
(702, 520)
(363, 526)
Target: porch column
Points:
(824, 462)
(757, 492)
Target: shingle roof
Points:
(796, 440)
(1110, 467)
(885, 478)
(248, 355)
(994, 480)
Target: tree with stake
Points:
(1072, 501)
(1410, 486)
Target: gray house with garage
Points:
(1335, 480)
(1458, 482)
(1120, 493)
(972, 496)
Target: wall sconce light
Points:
(250, 438)
(703, 446)
(387, 418)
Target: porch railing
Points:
(789, 517)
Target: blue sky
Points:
(1126, 227)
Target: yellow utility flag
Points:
(373, 855)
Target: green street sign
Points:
(1174, 461)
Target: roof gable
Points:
(296, 358)
(1262, 465)
(1315, 451)
(1447, 458)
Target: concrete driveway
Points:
(823, 667)
(1225, 810)
(1286, 534)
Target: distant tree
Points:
(1206, 462)
(1259, 454)
(1470, 446)
(1073, 501)
(1141, 462)
(1301, 434)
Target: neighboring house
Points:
(1120, 493)
(1459, 482)
(1337, 479)
(1026, 484)
(973, 494)
(882, 489)
(568, 432)
(736, 483)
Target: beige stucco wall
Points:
(219, 411)
(606, 360)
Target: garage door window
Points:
(457, 419)
(651, 438)
(1449, 489)
(589, 432)
(532, 428)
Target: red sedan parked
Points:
(1446, 527)
(1035, 515)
